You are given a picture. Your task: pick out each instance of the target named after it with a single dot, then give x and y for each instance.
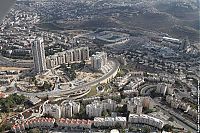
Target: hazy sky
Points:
(5, 6)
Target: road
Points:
(10, 63)
(5, 61)
(179, 119)
(56, 93)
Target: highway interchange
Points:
(58, 92)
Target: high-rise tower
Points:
(39, 55)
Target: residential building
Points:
(97, 107)
(161, 88)
(34, 100)
(148, 102)
(132, 87)
(39, 55)
(74, 123)
(109, 104)
(145, 119)
(136, 104)
(52, 109)
(175, 103)
(193, 113)
(184, 106)
(99, 60)
(94, 109)
(109, 121)
(3, 95)
(121, 81)
(70, 108)
(34, 123)
(69, 56)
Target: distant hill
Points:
(174, 17)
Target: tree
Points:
(105, 113)
(147, 110)
(82, 64)
(171, 119)
(11, 101)
(131, 129)
(167, 128)
(146, 129)
(18, 99)
(5, 127)
(117, 99)
(46, 85)
(34, 130)
(118, 125)
(122, 109)
(81, 114)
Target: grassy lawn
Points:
(92, 92)
(120, 73)
(107, 89)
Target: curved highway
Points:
(56, 93)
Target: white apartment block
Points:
(121, 121)
(169, 99)
(121, 81)
(184, 106)
(39, 55)
(70, 108)
(109, 104)
(193, 113)
(99, 60)
(96, 108)
(174, 102)
(109, 121)
(99, 121)
(178, 104)
(69, 56)
(136, 104)
(132, 87)
(163, 88)
(145, 119)
(52, 109)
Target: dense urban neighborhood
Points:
(100, 66)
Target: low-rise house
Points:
(74, 123)
(46, 123)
